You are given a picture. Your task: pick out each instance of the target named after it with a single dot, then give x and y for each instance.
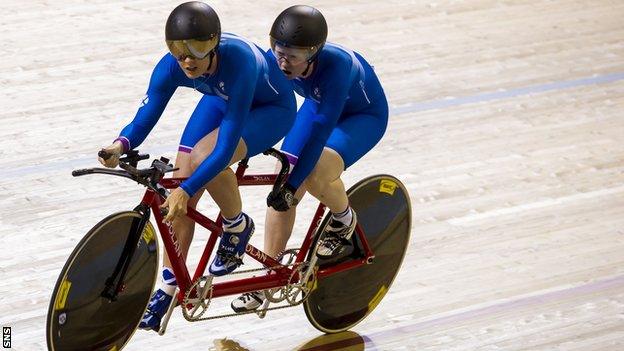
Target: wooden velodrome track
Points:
(506, 126)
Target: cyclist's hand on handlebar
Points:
(283, 199)
(176, 202)
(115, 150)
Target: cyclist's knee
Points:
(329, 167)
(316, 181)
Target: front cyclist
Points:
(345, 114)
(247, 107)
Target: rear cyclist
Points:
(244, 92)
(344, 115)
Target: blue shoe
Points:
(232, 249)
(156, 309)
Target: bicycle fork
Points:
(115, 283)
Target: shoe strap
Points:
(333, 240)
(228, 256)
(335, 225)
(252, 295)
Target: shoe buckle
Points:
(234, 240)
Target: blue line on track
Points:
(505, 94)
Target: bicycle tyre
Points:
(79, 318)
(341, 300)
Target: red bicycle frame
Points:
(282, 275)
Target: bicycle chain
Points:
(244, 313)
(252, 311)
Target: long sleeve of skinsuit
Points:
(161, 87)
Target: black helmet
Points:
(300, 26)
(193, 29)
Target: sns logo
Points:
(6, 337)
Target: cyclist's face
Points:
(293, 62)
(193, 67)
(192, 55)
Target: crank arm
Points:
(167, 316)
(263, 310)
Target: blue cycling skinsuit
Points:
(345, 109)
(247, 97)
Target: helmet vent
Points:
(297, 32)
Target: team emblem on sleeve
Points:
(144, 101)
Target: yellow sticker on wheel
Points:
(387, 186)
(377, 298)
(148, 233)
(61, 297)
(114, 348)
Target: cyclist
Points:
(244, 92)
(344, 114)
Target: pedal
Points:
(263, 309)
(165, 320)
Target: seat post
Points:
(240, 169)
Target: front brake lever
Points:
(163, 165)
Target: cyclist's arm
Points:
(161, 87)
(334, 94)
(231, 128)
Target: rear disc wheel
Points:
(341, 300)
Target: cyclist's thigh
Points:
(356, 135)
(266, 125)
(204, 147)
(207, 117)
